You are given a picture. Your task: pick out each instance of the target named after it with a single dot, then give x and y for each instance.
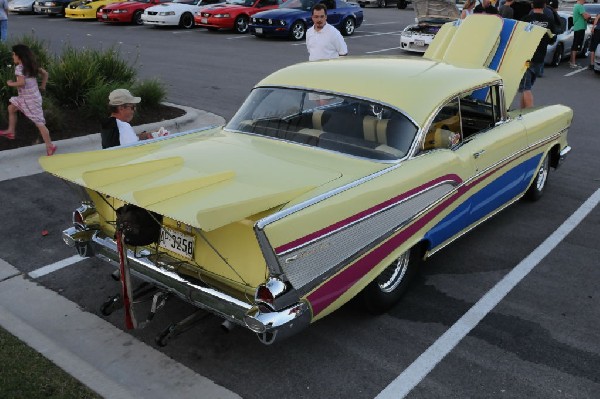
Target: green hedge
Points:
(80, 80)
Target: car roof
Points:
(416, 86)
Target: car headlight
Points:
(221, 15)
(406, 34)
(120, 11)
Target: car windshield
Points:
(185, 1)
(333, 122)
(247, 3)
(298, 4)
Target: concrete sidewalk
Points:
(109, 361)
(24, 161)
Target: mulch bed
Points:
(75, 125)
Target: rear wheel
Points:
(387, 289)
(536, 189)
(137, 18)
(558, 54)
(186, 21)
(402, 4)
(241, 24)
(298, 31)
(348, 26)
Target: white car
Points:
(177, 13)
(21, 6)
(431, 15)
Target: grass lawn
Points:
(26, 374)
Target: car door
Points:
(496, 146)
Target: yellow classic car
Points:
(334, 179)
(86, 9)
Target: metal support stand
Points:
(115, 302)
(177, 328)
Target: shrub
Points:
(113, 68)
(79, 80)
(152, 91)
(72, 76)
(97, 99)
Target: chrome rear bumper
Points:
(265, 322)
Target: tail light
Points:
(81, 214)
(268, 292)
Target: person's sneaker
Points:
(573, 66)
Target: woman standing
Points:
(29, 98)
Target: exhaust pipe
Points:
(227, 326)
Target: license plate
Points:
(420, 43)
(178, 242)
(204, 20)
(104, 16)
(258, 30)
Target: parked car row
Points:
(287, 18)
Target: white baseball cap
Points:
(122, 96)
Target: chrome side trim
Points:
(307, 265)
(271, 259)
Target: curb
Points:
(23, 161)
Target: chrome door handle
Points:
(478, 154)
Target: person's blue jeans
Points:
(3, 29)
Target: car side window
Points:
(464, 116)
(445, 130)
(330, 4)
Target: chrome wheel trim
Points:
(298, 31)
(542, 175)
(393, 275)
(242, 25)
(349, 27)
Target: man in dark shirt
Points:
(537, 17)
(485, 7)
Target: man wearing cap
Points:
(116, 129)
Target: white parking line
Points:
(576, 71)
(423, 365)
(42, 271)
(380, 51)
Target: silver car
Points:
(561, 48)
(21, 6)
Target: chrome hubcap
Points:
(542, 175)
(393, 275)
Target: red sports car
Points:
(233, 14)
(129, 11)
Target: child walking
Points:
(29, 98)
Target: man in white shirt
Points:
(323, 41)
(116, 129)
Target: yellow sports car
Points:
(86, 9)
(334, 179)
